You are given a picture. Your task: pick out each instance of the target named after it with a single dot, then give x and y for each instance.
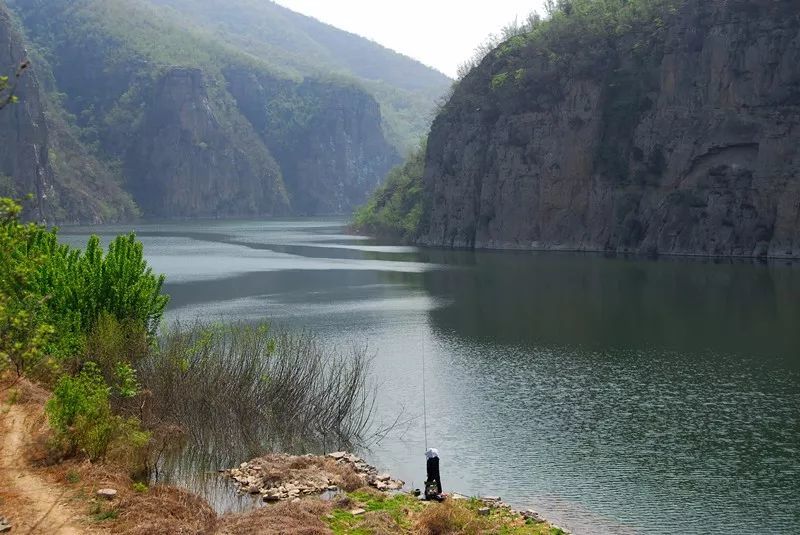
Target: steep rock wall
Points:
(326, 137)
(23, 129)
(193, 156)
(692, 147)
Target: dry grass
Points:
(380, 523)
(449, 517)
(20, 391)
(299, 518)
(164, 511)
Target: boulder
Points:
(483, 511)
(108, 494)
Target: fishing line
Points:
(424, 400)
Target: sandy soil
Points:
(30, 502)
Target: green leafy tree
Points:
(24, 331)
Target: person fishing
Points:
(433, 485)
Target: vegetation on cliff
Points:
(527, 65)
(395, 209)
(302, 46)
(624, 126)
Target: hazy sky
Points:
(439, 33)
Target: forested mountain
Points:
(125, 98)
(298, 44)
(647, 126)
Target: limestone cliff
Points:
(326, 136)
(23, 131)
(680, 135)
(192, 157)
(189, 126)
(40, 154)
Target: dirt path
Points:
(33, 504)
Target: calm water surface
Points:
(612, 395)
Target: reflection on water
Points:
(613, 395)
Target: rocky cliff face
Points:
(188, 126)
(194, 158)
(686, 144)
(40, 154)
(23, 130)
(326, 137)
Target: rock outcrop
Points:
(193, 156)
(40, 154)
(23, 129)
(326, 136)
(686, 141)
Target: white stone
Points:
(108, 494)
(356, 512)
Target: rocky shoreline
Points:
(287, 478)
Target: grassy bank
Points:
(404, 513)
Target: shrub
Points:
(79, 412)
(116, 346)
(240, 390)
(83, 285)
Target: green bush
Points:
(80, 415)
(81, 285)
(80, 412)
(62, 310)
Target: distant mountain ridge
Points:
(302, 45)
(135, 102)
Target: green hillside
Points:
(294, 43)
(195, 126)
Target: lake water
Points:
(612, 395)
